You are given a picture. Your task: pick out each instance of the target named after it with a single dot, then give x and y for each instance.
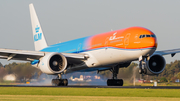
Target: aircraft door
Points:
(137, 41)
(126, 39)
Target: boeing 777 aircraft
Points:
(106, 51)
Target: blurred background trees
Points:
(24, 71)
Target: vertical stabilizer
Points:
(38, 36)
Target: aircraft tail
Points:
(38, 36)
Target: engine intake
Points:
(155, 65)
(53, 63)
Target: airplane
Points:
(106, 51)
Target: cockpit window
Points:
(146, 35)
(153, 36)
(140, 36)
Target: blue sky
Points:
(63, 20)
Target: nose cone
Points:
(149, 41)
(156, 44)
(153, 42)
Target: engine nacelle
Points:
(53, 63)
(155, 65)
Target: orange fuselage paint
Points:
(128, 38)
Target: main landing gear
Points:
(114, 81)
(59, 81)
(110, 82)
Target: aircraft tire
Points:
(115, 82)
(59, 82)
(140, 71)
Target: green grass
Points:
(80, 98)
(87, 94)
(116, 92)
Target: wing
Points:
(166, 52)
(35, 55)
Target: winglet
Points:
(38, 36)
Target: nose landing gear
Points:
(142, 66)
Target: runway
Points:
(94, 86)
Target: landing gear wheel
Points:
(115, 82)
(140, 71)
(145, 71)
(59, 82)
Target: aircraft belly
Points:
(108, 56)
(76, 68)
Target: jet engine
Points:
(154, 65)
(53, 63)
